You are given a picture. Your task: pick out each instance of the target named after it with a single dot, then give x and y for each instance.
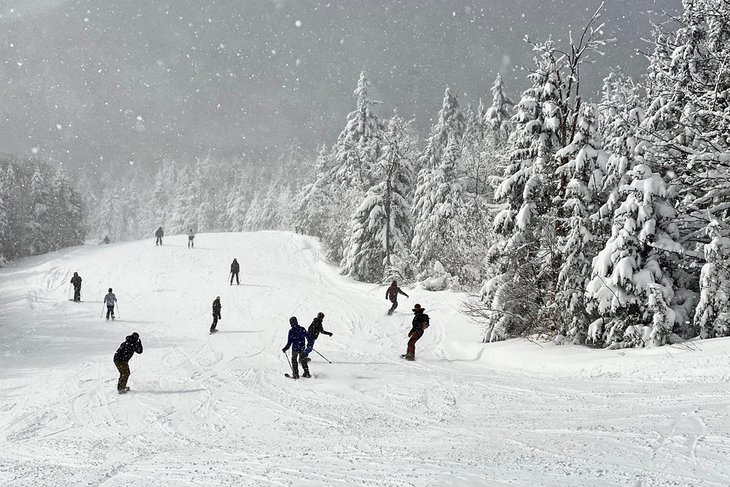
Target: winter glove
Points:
(283, 350)
(410, 333)
(329, 333)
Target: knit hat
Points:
(293, 321)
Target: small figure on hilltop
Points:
(159, 233)
(420, 323)
(392, 293)
(313, 333)
(76, 281)
(122, 356)
(297, 337)
(191, 238)
(235, 268)
(110, 300)
(216, 313)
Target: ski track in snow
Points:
(217, 409)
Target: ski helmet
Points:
(320, 315)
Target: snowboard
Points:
(409, 359)
(214, 331)
(124, 391)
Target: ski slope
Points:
(217, 410)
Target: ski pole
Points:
(119, 314)
(102, 311)
(322, 356)
(289, 362)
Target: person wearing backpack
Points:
(420, 323)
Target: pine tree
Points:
(498, 117)
(41, 218)
(712, 317)
(381, 227)
(437, 202)
(585, 178)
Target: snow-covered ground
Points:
(217, 410)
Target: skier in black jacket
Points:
(420, 323)
(216, 313)
(125, 351)
(159, 233)
(76, 281)
(235, 268)
(313, 333)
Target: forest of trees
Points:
(40, 211)
(603, 222)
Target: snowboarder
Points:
(216, 313)
(235, 268)
(159, 234)
(125, 351)
(297, 337)
(110, 300)
(191, 237)
(313, 333)
(76, 281)
(392, 293)
(420, 323)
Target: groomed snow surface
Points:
(216, 410)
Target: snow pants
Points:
(298, 357)
(158, 241)
(411, 350)
(110, 311)
(310, 347)
(123, 368)
(77, 293)
(234, 274)
(216, 317)
(191, 245)
(393, 307)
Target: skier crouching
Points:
(297, 337)
(122, 356)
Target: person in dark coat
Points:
(76, 281)
(235, 268)
(420, 323)
(129, 347)
(297, 337)
(110, 300)
(216, 313)
(106, 239)
(159, 234)
(313, 333)
(392, 293)
(191, 239)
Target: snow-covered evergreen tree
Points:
(712, 317)
(583, 173)
(437, 201)
(499, 115)
(381, 226)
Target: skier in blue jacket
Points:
(297, 339)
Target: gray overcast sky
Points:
(99, 83)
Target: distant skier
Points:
(420, 323)
(159, 234)
(76, 281)
(125, 351)
(313, 333)
(216, 313)
(235, 268)
(191, 237)
(106, 239)
(392, 293)
(110, 300)
(297, 336)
